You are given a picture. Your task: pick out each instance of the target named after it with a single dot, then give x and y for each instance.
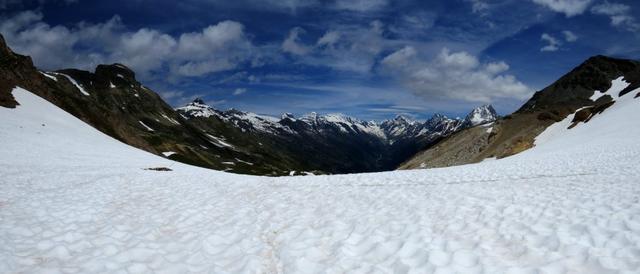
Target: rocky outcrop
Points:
(15, 69)
(574, 89)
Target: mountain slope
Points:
(579, 89)
(74, 200)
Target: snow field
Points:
(76, 201)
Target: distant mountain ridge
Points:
(332, 143)
(390, 129)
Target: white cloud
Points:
(292, 43)
(619, 14)
(553, 44)
(239, 91)
(329, 38)
(345, 47)
(607, 8)
(52, 47)
(569, 7)
(216, 48)
(142, 49)
(569, 36)
(454, 75)
(219, 47)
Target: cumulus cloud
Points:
(569, 7)
(218, 47)
(53, 46)
(553, 44)
(454, 75)
(292, 43)
(619, 14)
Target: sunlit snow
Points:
(76, 201)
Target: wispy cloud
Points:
(239, 91)
(553, 44)
(619, 14)
(569, 7)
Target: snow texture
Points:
(76, 201)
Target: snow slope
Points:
(76, 201)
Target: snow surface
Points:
(49, 76)
(145, 126)
(617, 86)
(168, 153)
(73, 81)
(218, 141)
(76, 201)
(173, 121)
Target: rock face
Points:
(578, 89)
(574, 89)
(114, 102)
(14, 69)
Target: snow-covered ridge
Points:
(397, 128)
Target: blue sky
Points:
(372, 59)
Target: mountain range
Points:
(114, 102)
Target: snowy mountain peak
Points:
(437, 118)
(481, 115)
(402, 119)
(198, 101)
(288, 116)
(197, 108)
